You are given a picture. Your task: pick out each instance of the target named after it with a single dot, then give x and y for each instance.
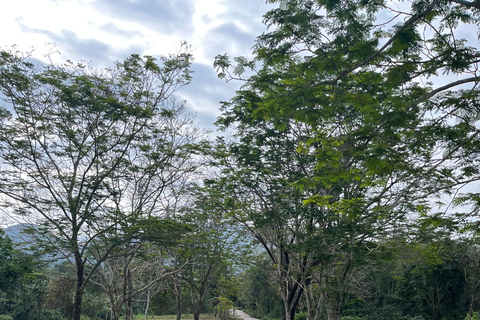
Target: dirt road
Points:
(243, 315)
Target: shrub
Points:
(301, 316)
(475, 316)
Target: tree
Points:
(67, 140)
(342, 103)
(138, 267)
(201, 252)
(8, 272)
(61, 288)
(257, 290)
(22, 284)
(204, 250)
(306, 245)
(471, 271)
(156, 177)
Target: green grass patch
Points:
(174, 317)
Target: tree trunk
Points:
(198, 305)
(297, 294)
(470, 309)
(288, 314)
(179, 308)
(314, 304)
(77, 304)
(179, 298)
(333, 314)
(177, 289)
(291, 302)
(128, 295)
(113, 311)
(332, 307)
(147, 304)
(291, 297)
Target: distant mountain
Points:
(26, 242)
(15, 233)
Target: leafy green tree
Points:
(68, 137)
(422, 275)
(311, 243)
(170, 162)
(224, 308)
(340, 124)
(258, 294)
(60, 296)
(204, 251)
(23, 285)
(471, 271)
(256, 192)
(8, 274)
(202, 254)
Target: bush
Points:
(475, 316)
(224, 308)
(301, 316)
(52, 315)
(5, 317)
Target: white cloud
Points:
(106, 30)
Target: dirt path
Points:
(243, 315)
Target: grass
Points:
(174, 317)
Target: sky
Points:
(104, 31)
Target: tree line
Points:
(348, 189)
